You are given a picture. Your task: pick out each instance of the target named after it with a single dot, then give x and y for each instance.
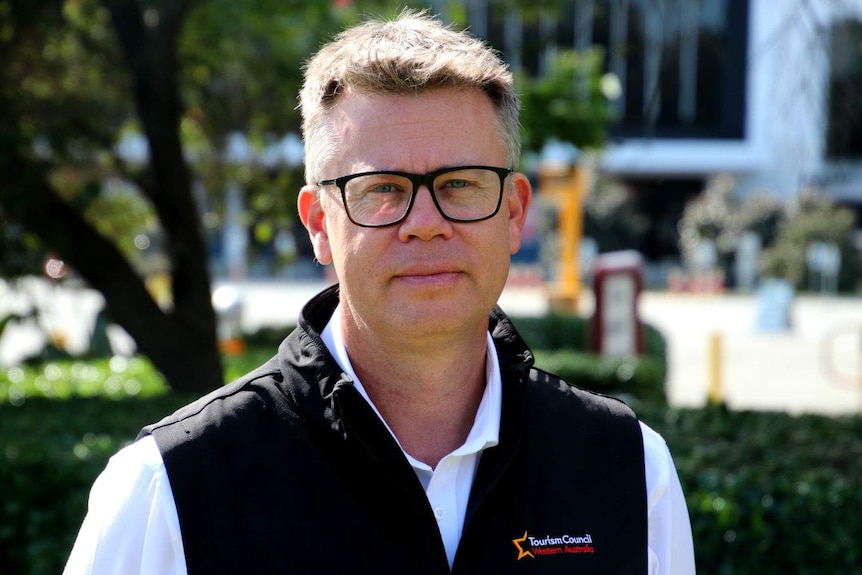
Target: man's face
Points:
(425, 277)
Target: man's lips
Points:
(428, 274)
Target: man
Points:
(401, 428)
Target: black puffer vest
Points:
(288, 470)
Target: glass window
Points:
(844, 131)
(682, 63)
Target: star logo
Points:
(521, 552)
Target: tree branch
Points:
(32, 203)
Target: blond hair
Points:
(409, 54)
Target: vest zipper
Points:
(347, 394)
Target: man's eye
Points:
(385, 189)
(455, 184)
(378, 187)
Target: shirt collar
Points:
(485, 431)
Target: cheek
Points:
(351, 253)
(497, 248)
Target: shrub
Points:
(561, 343)
(814, 218)
(554, 331)
(785, 231)
(719, 216)
(630, 379)
(767, 493)
(50, 453)
(61, 420)
(116, 378)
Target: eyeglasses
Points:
(461, 194)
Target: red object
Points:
(616, 328)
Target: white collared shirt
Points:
(448, 485)
(132, 525)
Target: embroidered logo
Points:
(533, 547)
(519, 544)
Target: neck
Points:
(427, 394)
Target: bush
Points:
(61, 420)
(814, 218)
(50, 453)
(561, 343)
(630, 379)
(785, 232)
(768, 493)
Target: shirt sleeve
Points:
(671, 549)
(131, 525)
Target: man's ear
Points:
(518, 200)
(314, 219)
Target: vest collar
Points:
(322, 378)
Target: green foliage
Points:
(768, 493)
(785, 231)
(566, 104)
(253, 357)
(554, 331)
(62, 104)
(633, 378)
(241, 74)
(561, 343)
(50, 453)
(815, 218)
(59, 423)
(719, 217)
(114, 378)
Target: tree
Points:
(63, 101)
(77, 76)
(567, 103)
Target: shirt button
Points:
(438, 512)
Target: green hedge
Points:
(561, 343)
(50, 453)
(59, 423)
(630, 379)
(768, 493)
(566, 331)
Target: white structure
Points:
(787, 89)
(709, 86)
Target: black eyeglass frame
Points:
(418, 180)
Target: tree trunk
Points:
(180, 342)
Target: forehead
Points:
(416, 132)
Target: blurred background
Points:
(695, 245)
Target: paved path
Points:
(814, 366)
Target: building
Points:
(769, 91)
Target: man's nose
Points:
(424, 220)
